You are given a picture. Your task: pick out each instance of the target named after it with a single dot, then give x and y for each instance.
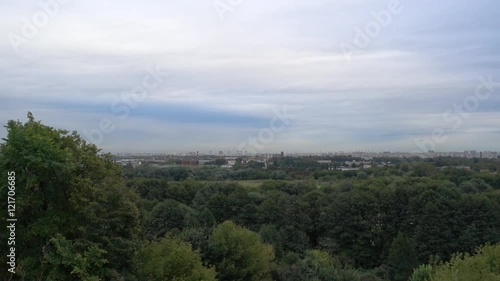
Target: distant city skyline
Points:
(468, 153)
(306, 75)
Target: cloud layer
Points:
(226, 76)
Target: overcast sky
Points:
(233, 64)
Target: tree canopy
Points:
(172, 259)
(239, 254)
(76, 217)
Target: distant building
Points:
(133, 162)
(348, 169)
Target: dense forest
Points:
(83, 217)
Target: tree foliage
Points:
(82, 219)
(239, 254)
(402, 258)
(75, 212)
(484, 265)
(172, 259)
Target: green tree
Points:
(172, 259)
(77, 218)
(86, 262)
(484, 265)
(317, 265)
(313, 204)
(422, 273)
(288, 215)
(239, 254)
(433, 233)
(352, 226)
(198, 238)
(271, 235)
(402, 258)
(362, 175)
(220, 161)
(206, 218)
(167, 216)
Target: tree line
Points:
(81, 217)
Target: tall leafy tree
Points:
(172, 259)
(287, 213)
(167, 216)
(239, 254)
(402, 258)
(76, 217)
(484, 265)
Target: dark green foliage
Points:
(76, 213)
(85, 262)
(402, 258)
(352, 225)
(422, 273)
(271, 235)
(357, 219)
(239, 254)
(198, 238)
(362, 176)
(220, 161)
(206, 218)
(172, 259)
(287, 213)
(483, 265)
(81, 222)
(318, 266)
(167, 216)
(161, 189)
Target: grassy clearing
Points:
(250, 183)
